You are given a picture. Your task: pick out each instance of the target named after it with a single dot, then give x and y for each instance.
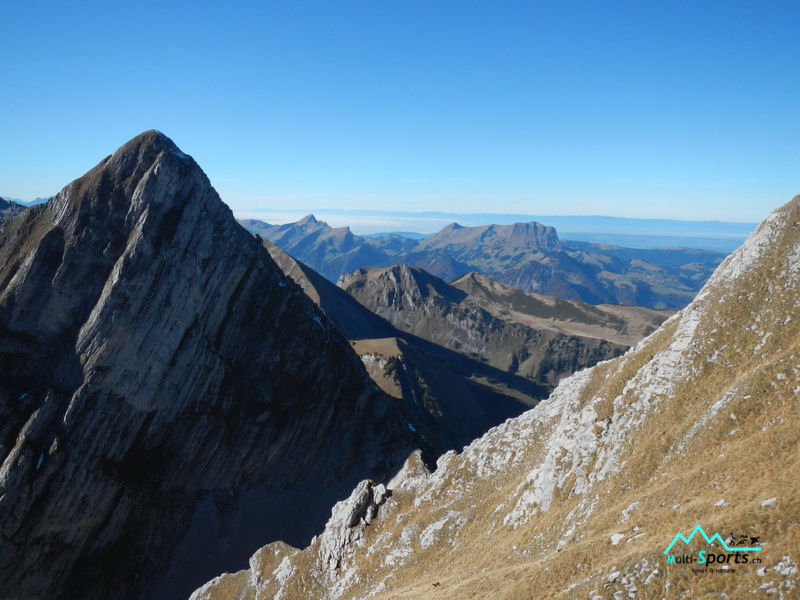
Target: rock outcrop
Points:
(584, 496)
(162, 382)
(8, 209)
(343, 529)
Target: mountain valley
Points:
(179, 394)
(585, 495)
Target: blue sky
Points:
(642, 109)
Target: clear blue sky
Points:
(663, 109)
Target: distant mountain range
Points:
(30, 202)
(719, 236)
(529, 256)
(328, 250)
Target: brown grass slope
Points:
(579, 497)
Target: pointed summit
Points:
(145, 368)
(308, 220)
(152, 139)
(148, 158)
(142, 152)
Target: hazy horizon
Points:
(721, 236)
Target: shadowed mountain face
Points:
(453, 398)
(540, 337)
(582, 496)
(161, 383)
(528, 256)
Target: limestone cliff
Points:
(161, 380)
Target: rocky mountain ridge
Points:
(540, 337)
(582, 496)
(9, 209)
(154, 413)
(328, 250)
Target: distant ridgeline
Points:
(529, 256)
(11, 206)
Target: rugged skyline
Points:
(529, 256)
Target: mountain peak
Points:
(149, 142)
(146, 171)
(143, 332)
(400, 286)
(517, 235)
(308, 220)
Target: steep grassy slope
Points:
(581, 496)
